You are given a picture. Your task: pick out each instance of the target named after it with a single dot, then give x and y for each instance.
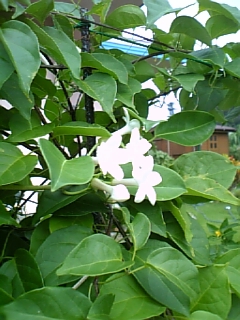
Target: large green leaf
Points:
(206, 164)
(232, 13)
(22, 47)
(18, 99)
(101, 87)
(48, 303)
(131, 301)
(65, 172)
(14, 166)
(210, 189)
(234, 313)
(54, 250)
(156, 9)
(40, 9)
(192, 28)
(4, 5)
(28, 270)
(177, 268)
(125, 93)
(105, 257)
(188, 128)
(106, 63)
(127, 16)
(219, 25)
(81, 128)
(59, 46)
(5, 65)
(214, 296)
(23, 130)
(162, 289)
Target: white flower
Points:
(110, 156)
(137, 147)
(130, 124)
(146, 180)
(117, 193)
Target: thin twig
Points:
(80, 282)
(123, 233)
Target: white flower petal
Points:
(119, 193)
(153, 178)
(151, 194)
(140, 194)
(116, 171)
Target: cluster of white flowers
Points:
(110, 156)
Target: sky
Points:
(160, 112)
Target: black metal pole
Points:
(86, 47)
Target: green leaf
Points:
(127, 16)
(4, 5)
(154, 214)
(192, 28)
(139, 229)
(163, 290)
(210, 189)
(68, 8)
(59, 46)
(157, 9)
(28, 270)
(81, 128)
(40, 9)
(219, 25)
(177, 268)
(131, 301)
(233, 67)
(213, 55)
(54, 250)
(206, 164)
(22, 47)
(200, 315)
(101, 87)
(101, 8)
(65, 172)
(188, 128)
(47, 304)
(189, 81)
(106, 63)
(50, 202)
(5, 216)
(125, 93)
(106, 257)
(215, 296)
(210, 96)
(14, 165)
(101, 307)
(5, 65)
(23, 130)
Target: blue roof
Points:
(128, 48)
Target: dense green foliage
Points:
(77, 256)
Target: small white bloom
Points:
(117, 193)
(137, 147)
(146, 179)
(110, 156)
